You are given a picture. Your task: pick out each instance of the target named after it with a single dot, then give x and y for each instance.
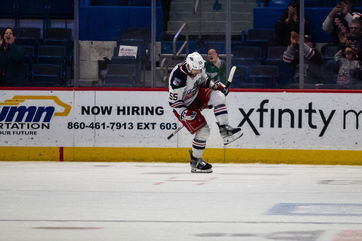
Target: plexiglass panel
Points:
(136, 43)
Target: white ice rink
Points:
(44, 201)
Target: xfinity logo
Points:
(309, 117)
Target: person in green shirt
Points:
(215, 67)
(12, 65)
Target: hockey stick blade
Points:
(175, 132)
(231, 76)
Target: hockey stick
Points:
(228, 83)
(231, 77)
(175, 132)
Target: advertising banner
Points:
(96, 118)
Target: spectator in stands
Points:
(312, 57)
(349, 72)
(166, 12)
(1, 63)
(12, 66)
(215, 67)
(289, 23)
(338, 19)
(353, 37)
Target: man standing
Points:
(190, 91)
(12, 66)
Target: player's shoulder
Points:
(178, 77)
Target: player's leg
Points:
(228, 133)
(198, 164)
(199, 127)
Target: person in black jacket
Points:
(288, 23)
(12, 65)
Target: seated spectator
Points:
(12, 66)
(349, 72)
(215, 67)
(313, 59)
(338, 19)
(289, 23)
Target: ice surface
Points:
(55, 201)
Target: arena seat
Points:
(109, 3)
(245, 55)
(61, 9)
(53, 54)
(279, 3)
(240, 76)
(46, 75)
(120, 75)
(32, 9)
(142, 2)
(28, 36)
(274, 55)
(328, 51)
(8, 9)
(263, 75)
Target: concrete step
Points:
(214, 27)
(213, 22)
(206, 6)
(210, 16)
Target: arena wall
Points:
(70, 124)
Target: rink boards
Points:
(279, 126)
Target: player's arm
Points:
(209, 83)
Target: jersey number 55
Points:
(173, 96)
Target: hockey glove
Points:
(221, 87)
(188, 115)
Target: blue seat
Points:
(274, 55)
(52, 54)
(57, 36)
(61, 9)
(29, 51)
(240, 76)
(136, 33)
(51, 50)
(28, 36)
(121, 75)
(48, 75)
(247, 55)
(7, 9)
(28, 9)
(60, 37)
(279, 3)
(313, 3)
(109, 3)
(142, 3)
(265, 76)
(259, 36)
(328, 51)
(139, 61)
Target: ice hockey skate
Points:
(229, 134)
(198, 165)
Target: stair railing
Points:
(184, 45)
(196, 6)
(197, 11)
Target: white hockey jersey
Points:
(183, 87)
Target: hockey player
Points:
(190, 91)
